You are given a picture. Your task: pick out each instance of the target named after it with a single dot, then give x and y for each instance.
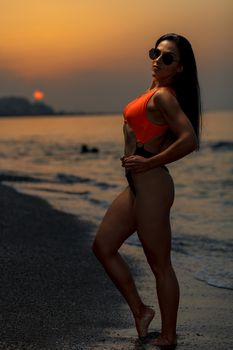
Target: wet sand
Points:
(54, 294)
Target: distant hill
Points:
(19, 106)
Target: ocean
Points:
(43, 156)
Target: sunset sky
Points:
(92, 55)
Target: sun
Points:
(38, 95)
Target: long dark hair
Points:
(186, 83)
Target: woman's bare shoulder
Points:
(164, 94)
(165, 100)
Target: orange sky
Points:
(52, 40)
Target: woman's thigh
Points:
(152, 208)
(118, 223)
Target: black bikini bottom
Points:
(140, 151)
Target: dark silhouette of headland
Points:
(12, 106)
(21, 106)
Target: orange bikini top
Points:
(135, 115)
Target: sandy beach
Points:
(54, 294)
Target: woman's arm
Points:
(179, 125)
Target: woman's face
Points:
(160, 70)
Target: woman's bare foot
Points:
(142, 322)
(161, 341)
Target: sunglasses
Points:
(167, 58)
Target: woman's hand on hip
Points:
(136, 163)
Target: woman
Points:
(161, 126)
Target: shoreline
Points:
(52, 286)
(55, 294)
